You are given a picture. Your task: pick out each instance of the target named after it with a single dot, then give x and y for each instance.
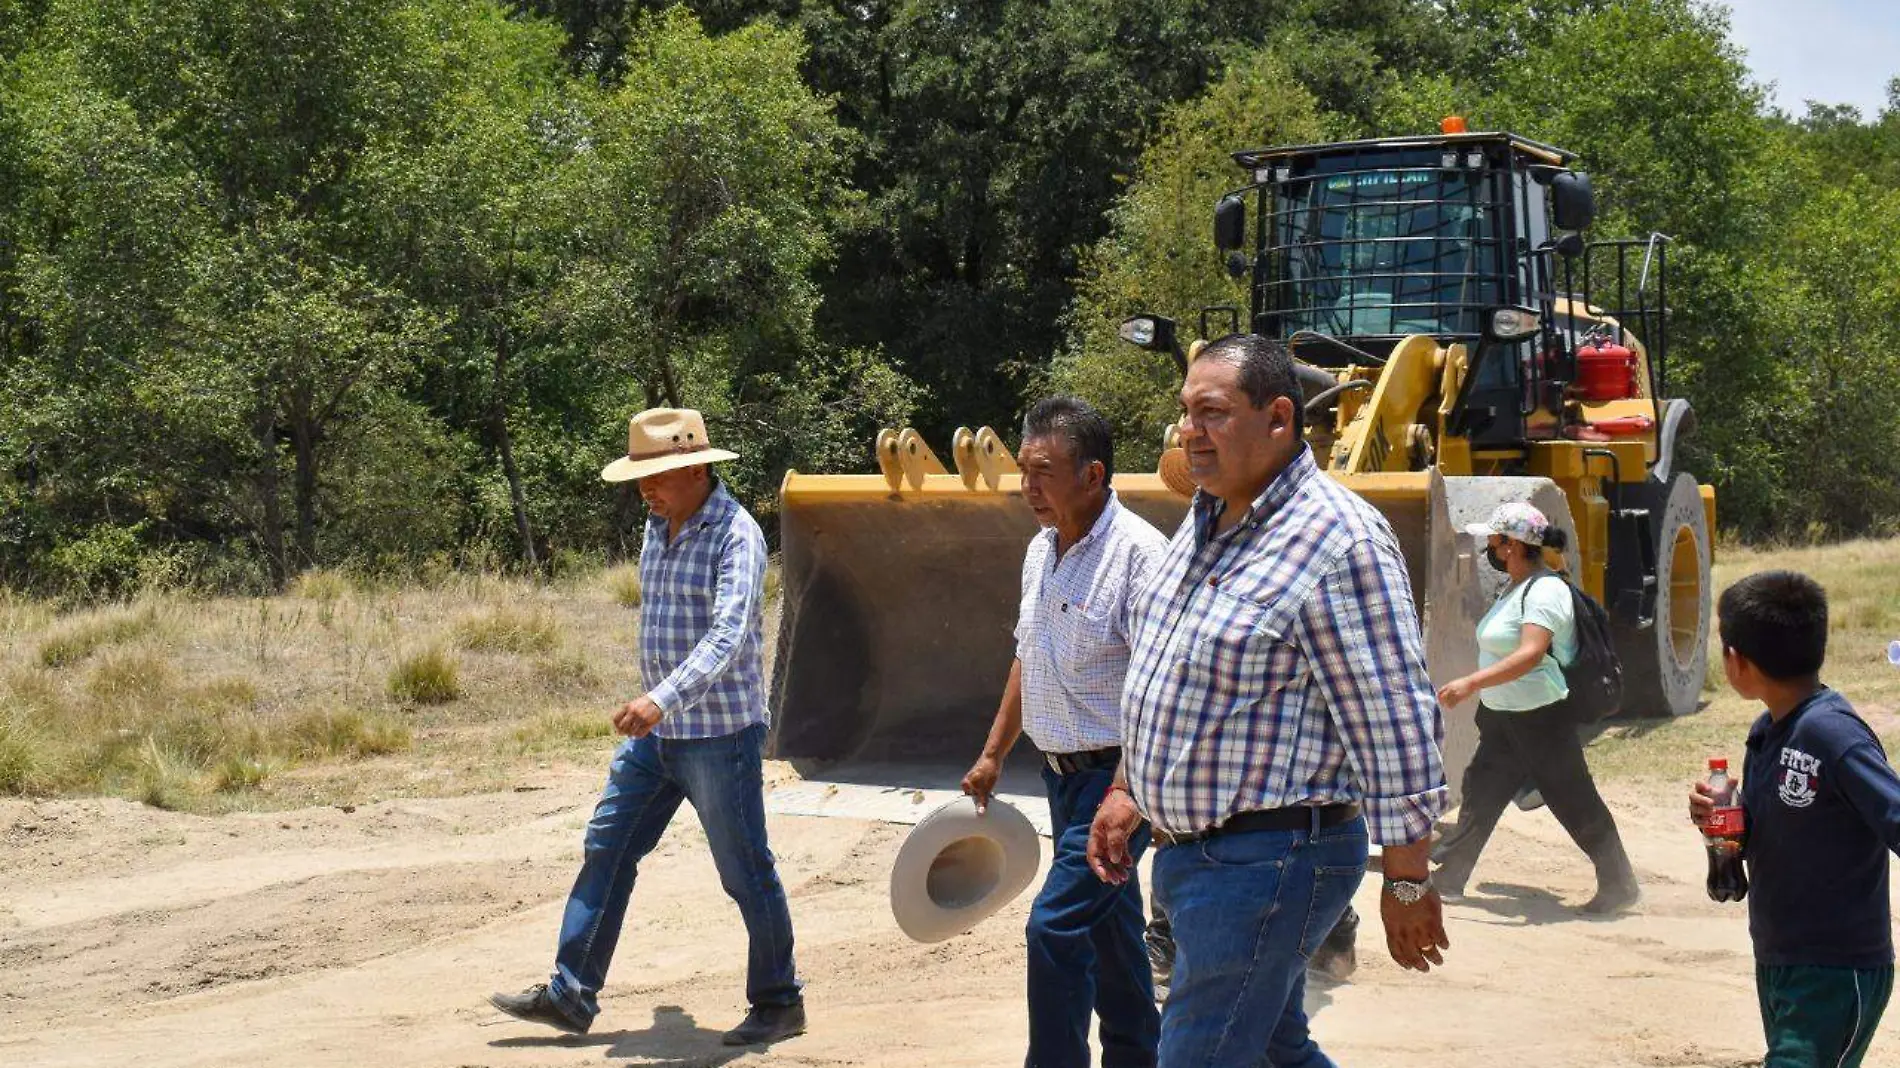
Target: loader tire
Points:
(1665, 663)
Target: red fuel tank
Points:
(1605, 372)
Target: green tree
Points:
(1160, 257)
(205, 320)
(706, 197)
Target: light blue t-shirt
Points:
(1547, 604)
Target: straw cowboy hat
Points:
(664, 439)
(958, 867)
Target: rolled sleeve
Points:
(740, 584)
(1361, 630)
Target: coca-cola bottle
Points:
(1722, 833)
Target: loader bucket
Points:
(901, 595)
(900, 607)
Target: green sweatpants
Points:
(1820, 1017)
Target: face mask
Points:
(1496, 561)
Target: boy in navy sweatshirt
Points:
(1823, 808)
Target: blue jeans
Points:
(649, 778)
(1085, 949)
(1248, 909)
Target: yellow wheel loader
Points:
(1459, 344)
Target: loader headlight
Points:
(1510, 324)
(1152, 332)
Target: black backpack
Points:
(1595, 677)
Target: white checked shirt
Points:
(1072, 629)
(1278, 663)
(702, 620)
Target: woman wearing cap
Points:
(1524, 730)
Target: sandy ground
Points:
(130, 936)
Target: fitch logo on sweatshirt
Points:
(1799, 775)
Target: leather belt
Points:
(1293, 818)
(1087, 760)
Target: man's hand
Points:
(1701, 803)
(1456, 692)
(1415, 933)
(1116, 820)
(638, 717)
(980, 781)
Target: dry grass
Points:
(270, 702)
(317, 696)
(560, 731)
(1863, 585)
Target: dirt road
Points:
(130, 936)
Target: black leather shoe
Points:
(768, 1023)
(536, 1005)
(1160, 941)
(1338, 955)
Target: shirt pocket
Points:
(1244, 650)
(1083, 634)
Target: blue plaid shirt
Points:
(702, 620)
(1278, 663)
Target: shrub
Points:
(103, 562)
(555, 730)
(345, 733)
(624, 583)
(425, 678)
(507, 630)
(324, 586)
(566, 674)
(239, 773)
(130, 679)
(84, 635)
(22, 754)
(164, 778)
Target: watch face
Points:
(1406, 893)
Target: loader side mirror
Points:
(1156, 334)
(1570, 246)
(1573, 206)
(1230, 224)
(1152, 332)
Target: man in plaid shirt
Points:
(696, 735)
(1080, 575)
(1276, 713)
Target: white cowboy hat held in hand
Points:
(958, 867)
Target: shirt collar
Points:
(1100, 527)
(1765, 724)
(1208, 508)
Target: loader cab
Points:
(1366, 243)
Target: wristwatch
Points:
(1406, 891)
